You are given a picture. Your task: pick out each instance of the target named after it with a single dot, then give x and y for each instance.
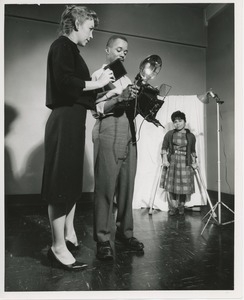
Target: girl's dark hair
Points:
(178, 115)
(73, 13)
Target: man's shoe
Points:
(130, 243)
(104, 251)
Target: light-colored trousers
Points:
(115, 159)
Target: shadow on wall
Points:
(11, 183)
(31, 179)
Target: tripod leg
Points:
(206, 225)
(227, 207)
(201, 188)
(206, 192)
(211, 214)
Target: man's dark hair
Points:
(115, 37)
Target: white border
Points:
(239, 182)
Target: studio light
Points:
(149, 69)
(206, 98)
(150, 99)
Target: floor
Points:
(176, 256)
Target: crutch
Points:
(155, 191)
(201, 181)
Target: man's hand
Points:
(134, 90)
(129, 93)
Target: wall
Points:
(174, 32)
(220, 77)
(174, 23)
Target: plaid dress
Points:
(178, 178)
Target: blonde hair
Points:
(73, 13)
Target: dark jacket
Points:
(190, 148)
(66, 76)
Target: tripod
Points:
(219, 203)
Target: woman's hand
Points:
(106, 77)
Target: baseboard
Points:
(87, 198)
(193, 208)
(214, 196)
(35, 199)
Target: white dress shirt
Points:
(120, 85)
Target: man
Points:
(114, 158)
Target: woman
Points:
(178, 159)
(69, 93)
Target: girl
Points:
(178, 159)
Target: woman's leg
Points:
(57, 217)
(69, 231)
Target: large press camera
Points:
(149, 103)
(149, 99)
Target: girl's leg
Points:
(172, 204)
(181, 205)
(57, 217)
(69, 231)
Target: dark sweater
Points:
(190, 148)
(66, 76)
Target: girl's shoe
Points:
(173, 211)
(181, 210)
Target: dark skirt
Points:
(64, 145)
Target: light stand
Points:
(205, 99)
